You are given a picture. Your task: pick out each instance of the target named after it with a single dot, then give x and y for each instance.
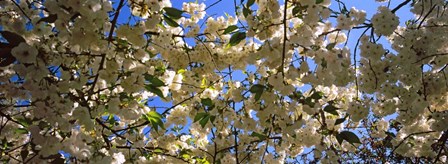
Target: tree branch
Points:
(284, 39)
(400, 6)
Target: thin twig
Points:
(400, 6)
(443, 140)
(109, 39)
(354, 62)
(284, 39)
(213, 4)
(18, 6)
(374, 74)
(410, 135)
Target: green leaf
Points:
(296, 95)
(181, 71)
(202, 160)
(295, 10)
(207, 102)
(314, 47)
(258, 96)
(50, 19)
(308, 101)
(237, 38)
(258, 135)
(339, 121)
(155, 119)
(246, 11)
(25, 121)
(122, 43)
(299, 9)
(21, 131)
(56, 158)
(339, 139)
(250, 3)
(204, 120)
(331, 109)
(350, 137)
(154, 90)
(256, 88)
(123, 96)
(154, 114)
(391, 134)
(204, 83)
(199, 116)
(330, 46)
(212, 118)
(43, 125)
(158, 151)
(156, 82)
(186, 156)
(170, 21)
(319, 1)
(230, 29)
(317, 95)
(13, 39)
(111, 120)
(185, 153)
(24, 153)
(173, 12)
(6, 57)
(5, 145)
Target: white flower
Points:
(142, 160)
(140, 54)
(384, 22)
(177, 82)
(118, 158)
(25, 53)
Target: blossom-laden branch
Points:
(176, 84)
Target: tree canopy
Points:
(292, 81)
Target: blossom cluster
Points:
(273, 82)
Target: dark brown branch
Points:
(426, 16)
(284, 39)
(213, 4)
(114, 20)
(354, 61)
(400, 6)
(10, 118)
(374, 74)
(235, 133)
(429, 56)
(252, 142)
(442, 142)
(109, 38)
(111, 130)
(23, 12)
(337, 30)
(410, 135)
